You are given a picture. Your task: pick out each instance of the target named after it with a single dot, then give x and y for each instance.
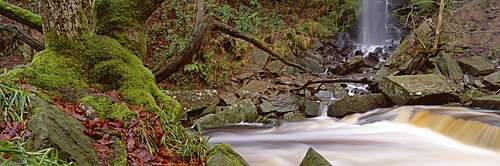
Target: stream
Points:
(404, 136)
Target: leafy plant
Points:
(17, 154)
(14, 102)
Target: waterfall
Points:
(376, 26)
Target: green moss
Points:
(120, 20)
(106, 107)
(223, 154)
(23, 13)
(119, 153)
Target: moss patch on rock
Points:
(223, 155)
(108, 108)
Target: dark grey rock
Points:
(275, 67)
(313, 158)
(312, 108)
(253, 87)
(449, 66)
(487, 102)
(260, 57)
(243, 111)
(357, 104)
(52, 127)
(476, 66)
(426, 89)
(492, 81)
(195, 99)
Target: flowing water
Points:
(406, 136)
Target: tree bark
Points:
(439, 25)
(21, 15)
(63, 21)
(363, 81)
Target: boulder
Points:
(487, 102)
(275, 67)
(195, 99)
(260, 57)
(312, 64)
(224, 155)
(283, 103)
(253, 87)
(352, 64)
(313, 108)
(426, 89)
(449, 66)
(492, 81)
(357, 104)
(313, 158)
(476, 65)
(243, 111)
(52, 127)
(294, 116)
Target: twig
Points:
(23, 36)
(322, 81)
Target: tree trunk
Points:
(63, 20)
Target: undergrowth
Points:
(19, 154)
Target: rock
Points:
(313, 158)
(266, 107)
(52, 127)
(243, 111)
(470, 94)
(259, 56)
(244, 76)
(479, 84)
(371, 60)
(312, 64)
(487, 102)
(294, 116)
(492, 81)
(357, 104)
(351, 65)
(476, 66)
(418, 89)
(316, 44)
(313, 108)
(449, 66)
(253, 87)
(285, 103)
(195, 99)
(229, 98)
(224, 155)
(275, 67)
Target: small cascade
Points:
(410, 136)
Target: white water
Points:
(347, 143)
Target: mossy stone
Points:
(224, 155)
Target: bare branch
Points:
(21, 15)
(23, 36)
(322, 81)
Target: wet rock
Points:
(312, 64)
(229, 98)
(418, 89)
(275, 67)
(470, 94)
(449, 66)
(357, 104)
(294, 116)
(476, 66)
(350, 66)
(323, 95)
(492, 81)
(371, 60)
(312, 108)
(195, 99)
(487, 102)
(313, 158)
(52, 127)
(253, 87)
(243, 111)
(260, 57)
(282, 104)
(224, 155)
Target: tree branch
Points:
(23, 36)
(322, 81)
(21, 15)
(439, 24)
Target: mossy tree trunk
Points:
(105, 57)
